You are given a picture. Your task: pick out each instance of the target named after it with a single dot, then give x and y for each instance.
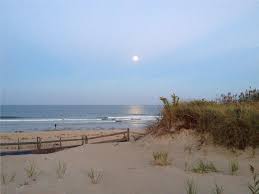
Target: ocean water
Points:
(44, 117)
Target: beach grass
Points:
(204, 167)
(217, 189)
(232, 120)
(95, 176)
(254, 186)
(32, 171)
(61, 169)
(234, 167)
(7, 178)
(161, 158)
(191, 187)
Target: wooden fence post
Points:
(128, 135)
(86, 139)
(18, 143)
(38, 143)
(83, 141)
(60, 142)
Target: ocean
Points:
(73, 117)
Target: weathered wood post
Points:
(60, 142)
(38, 143)
(18, 143)
(83, 140)
(86, 139)
(128, 135)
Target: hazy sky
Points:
(79, 52)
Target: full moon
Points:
(135, 58)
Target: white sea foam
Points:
(134, 117)
(87, 120)
(55, 120)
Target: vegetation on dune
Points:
(234, 166)
(218, 189)
(191, 187)
(232, 120)
(161, 158)
(32, 171)
(6, 178)
(254, 186)
(204, 167)
(61, 169)
(95, 176)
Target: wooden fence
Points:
(59, 142)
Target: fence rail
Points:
(83, 140)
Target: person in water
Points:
(55, 125)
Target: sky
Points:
(80, 51)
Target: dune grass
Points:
(61, 169)
(204, 167)
(234, 167)
(191, 187)
(32, 171)
(7, 178)
(160, 158)
(95, 176)
(232, 120)
(254, 186)
(217, 189)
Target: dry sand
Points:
(56, 135)
(127, 168)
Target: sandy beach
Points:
(7, 137)
(128, 167)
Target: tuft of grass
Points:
(32, 171)
(254, 187)
(161, 158)
(191, 187)
(218, 189)
(6, 179)
(61, 169)
(234, 167)
(204, 167)
(95, 176)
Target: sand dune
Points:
(127, 168)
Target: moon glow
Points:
(135, 58)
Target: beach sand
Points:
(56, 135)
(127, 168)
